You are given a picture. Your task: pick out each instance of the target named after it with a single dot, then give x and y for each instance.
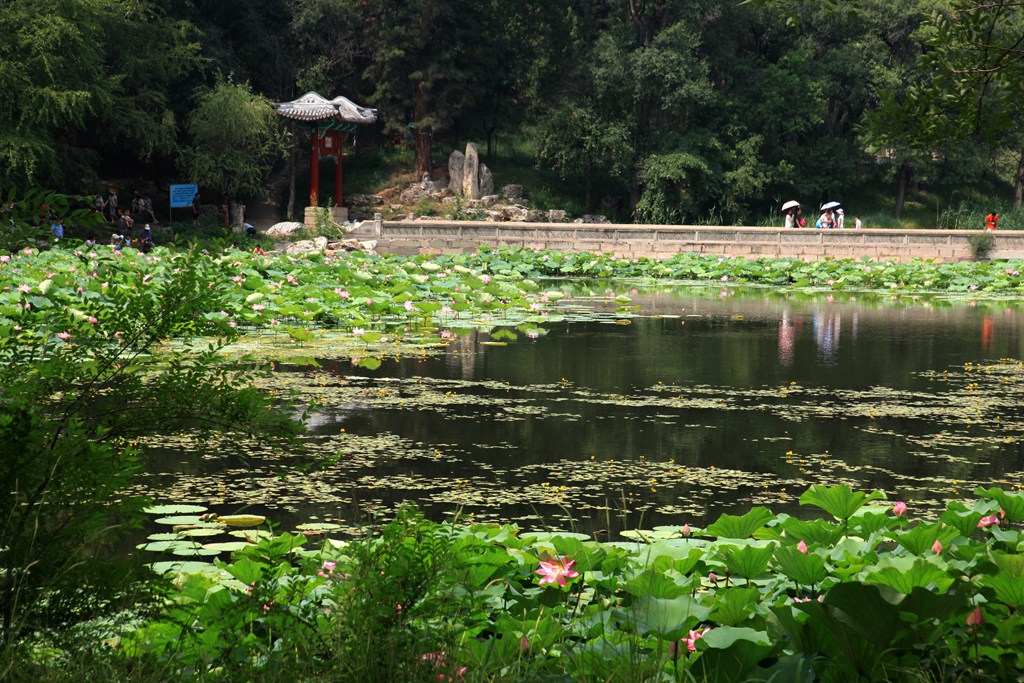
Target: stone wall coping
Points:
(514, 226)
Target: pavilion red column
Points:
(337, 175)
(314, 167)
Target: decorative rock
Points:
(365, 200)
(534, 216)
(556, 216)
(456, 164)
(495, 216)
(412, 194)
(470, 171)
(591, 218)
(512, 192)
(515, 212)
(450, 201)
(489, 200)
(486, 181)
(300, 246)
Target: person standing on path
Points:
(58, 230)
(196, 208)
(991, 221)
(856, 222)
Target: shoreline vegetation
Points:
(865, 592)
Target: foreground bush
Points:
(866, 594)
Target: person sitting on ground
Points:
(991, 221)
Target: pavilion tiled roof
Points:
(313, 107)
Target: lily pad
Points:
(181, 566)
(226, 546)
(318, 526)
(179, 519)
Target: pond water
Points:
(708, 401)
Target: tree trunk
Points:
(424, 134)
(901, 189)
(291, 179)
(1018, 183)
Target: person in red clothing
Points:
(991, 220)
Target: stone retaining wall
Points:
(660, 241)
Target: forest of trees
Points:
(676, 109)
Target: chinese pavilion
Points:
(329, 122)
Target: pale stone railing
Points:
(659, 241)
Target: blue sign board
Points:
(181, 195)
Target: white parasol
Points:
(791, 204)
(829, 205)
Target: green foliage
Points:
(81, 381)
(414, 600)
(981, 244)
(235, 140)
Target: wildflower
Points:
(988, 521)
(557, 571)
(899, 509)
(937, 547)
(802, 547)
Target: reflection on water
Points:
(705, 404)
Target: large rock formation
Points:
(467, 176)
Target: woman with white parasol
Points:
(789, 211)
(827, 220)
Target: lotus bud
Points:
(937, 547)
(802, 547)
(899, 509)
(976, 617)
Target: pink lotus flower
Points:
(92, 320)
(64, 335)
(358, 331)
(899, 509)
(485, 278)
(557, 571)
(24, 289)
(988, 521)
(802, 547)
(937, 547)
(691, 642)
